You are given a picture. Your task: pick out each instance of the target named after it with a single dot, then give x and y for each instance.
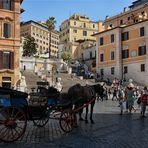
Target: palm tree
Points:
(50, 23)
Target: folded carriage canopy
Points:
(12, 93)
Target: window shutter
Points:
(11, 60)
(9, 30)
(1, 4)
(5, 30)
(1, 60)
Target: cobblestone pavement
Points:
(110, 130)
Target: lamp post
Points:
(124, 72)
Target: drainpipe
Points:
(97, 58)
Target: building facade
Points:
(42, 37)
(122, 48)
(9, 42)
(77, 27)
(86, 53)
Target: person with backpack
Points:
(129, 93)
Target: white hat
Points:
(131, 85)
(22, 77)
(130, 80)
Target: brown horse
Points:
(80, 95)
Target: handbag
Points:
(139, 100)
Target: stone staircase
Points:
(31, 79)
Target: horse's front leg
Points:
(86, 120)
(91, 111)
(80, 115)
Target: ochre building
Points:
(42, 37)
(122, 48)
(77, 27)
(9, 42)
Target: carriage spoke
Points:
(20, 127)
(13, 136)
(21, 117)
(1, 133)
(12, 112)
(17, 131)
(1, 122)
(17, 114)
(5, 133)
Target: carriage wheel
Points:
(43, 118)
(67, 121)
(13, 124)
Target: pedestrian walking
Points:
(144, 101)
(109, 93)
(130, 96)
(115, 82)
(115, 94)
(122, 100)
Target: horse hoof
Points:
(92, 122)
(86, 121)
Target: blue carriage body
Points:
(10, 97)
(52, 101)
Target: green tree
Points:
(50, 23)
(30, 47)
(66, 56)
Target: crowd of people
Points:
(127, 96)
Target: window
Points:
(125, 70)
(112, 70)
(125, 54)
(102, 72)
(75, 23)
(94, 63)
(75, 31)
(6, 4)
(7, 30)
(90, 54)
(101, 41)
(142, 31)
(142, 50)
(101, 57)
(125, 36)
(121, 22)
(128, 18)
(84, 25)
(142, 67)
(112, 38)
(112, 55)
(6, 60)
(84, 33)
(93, 25)
(110, 25)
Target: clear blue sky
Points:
(62, 9)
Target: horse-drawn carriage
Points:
(16, 108)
